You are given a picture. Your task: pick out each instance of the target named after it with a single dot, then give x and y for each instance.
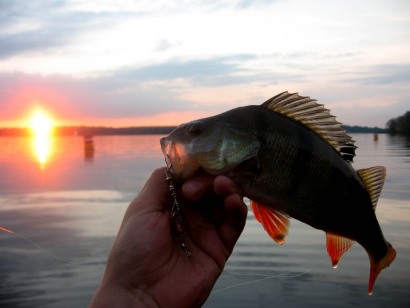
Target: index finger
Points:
(197, 187)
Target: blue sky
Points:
(124, 63)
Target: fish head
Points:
(177, 158)
(213, 145)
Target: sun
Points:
(41, 123)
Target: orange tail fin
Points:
(377, 266)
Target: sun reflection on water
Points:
(42, 148)
(41, 126)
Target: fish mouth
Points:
(178, 160)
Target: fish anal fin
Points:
(274, 222)
(336, 246)
(373, 179)
(377, 266)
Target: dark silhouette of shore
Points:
(145, 130)
(92, 130)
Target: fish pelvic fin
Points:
(316, 117)
(276, 223)
(376, 266)
(336, 246)
(373, 179)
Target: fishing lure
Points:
(176, 213)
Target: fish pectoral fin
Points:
(336, 246)
(274, 222)
(377, 266)
(373, 179)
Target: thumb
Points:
(154, 196)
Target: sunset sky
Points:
(138, 63)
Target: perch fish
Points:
(292, 159)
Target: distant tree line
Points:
(92, 130)
(14, 131)
(363, 129)
(149, 130)
(400, 125)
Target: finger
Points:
(236, 211)
(224, 186)
(197, 187)
(235, 219)
(154, 195)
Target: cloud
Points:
(37, 26)
(102, 97)
(27, 26)
(29, 41)
(139, 58)
(211, 72)
(133, 92)
(199, 71)
(152, 7)
(383, 74)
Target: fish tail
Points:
(376, 266)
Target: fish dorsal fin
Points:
(308, 112)
(275, 222)
(373, 179)
(336, 247)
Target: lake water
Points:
(71, 204)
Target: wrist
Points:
(110, 295)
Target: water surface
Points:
(71, 203)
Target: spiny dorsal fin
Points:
(373, 179)
(313, 115)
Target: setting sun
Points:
(41, 123)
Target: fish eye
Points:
(196, 129)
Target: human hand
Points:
(147, 267)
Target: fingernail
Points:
(192, 188)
